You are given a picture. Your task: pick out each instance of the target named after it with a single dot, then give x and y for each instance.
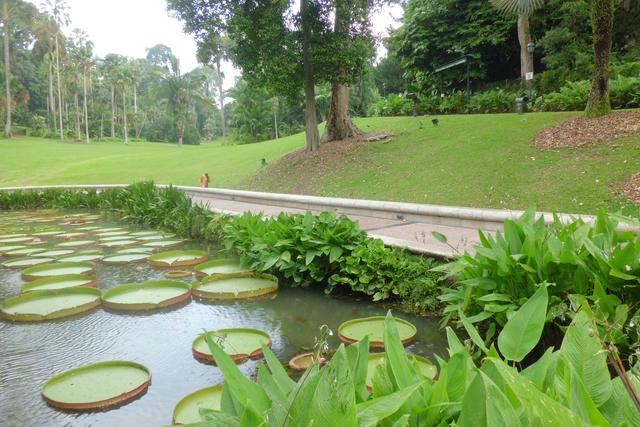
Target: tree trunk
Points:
(7, 67)
(113, 111)
(310, 118)
(180, 126)
(59, 89)
(275, 122)
(339, 124)
(524, 37)
(223, 124)
(77, 104)
(124, 116)
(86, 111)
(135, 99)
(52, 98)
(602, 27)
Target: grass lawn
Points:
(468, 160)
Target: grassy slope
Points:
(477, 160)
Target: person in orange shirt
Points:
(204, 180)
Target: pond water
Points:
(30, 353)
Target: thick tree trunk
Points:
(113, 111)
(7, 67)
(59, 89)
(339, 124)
(77, 105)
(124, 116)
(602, 27)
(86, 111)
(223, 123)
(310, 118)
(52, 98)
(524, 37)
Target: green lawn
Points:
(468, 160)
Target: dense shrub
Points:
(624, 93)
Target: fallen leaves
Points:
(630, 188)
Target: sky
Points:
(129, 27)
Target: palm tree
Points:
(522, 9)
(7, 66)
(212, 52)
(599, 103)
(81, 54)
(58, 10)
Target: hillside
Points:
(467, 160)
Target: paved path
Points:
(415, 236)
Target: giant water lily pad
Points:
(114, 239)
(108, 234)
(59, 269)
(60, 282)
(123, 243)
(84, 257)
(24, 252)
(147, 251)
(49, 304)
(19, 239)
(187, 411)
(427, 368)
(72, 235)
(8, 248)
(354, 330)
(153, 237)
(220, 266)
(26, 262)
(177, 258)
(97, 386)
(235, 285)
(48, 233)
(144, 233)
(162, 244)
(76, 243)
(147, 296)
(239, 343)
(54, 253)
(124, 258)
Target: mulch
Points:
(331, 156)
(582, 131)
(630, 188)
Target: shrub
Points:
(38, 126)
(624, 93)
(492, 101)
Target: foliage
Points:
(570, 386)
(323, 250)
(624, 93)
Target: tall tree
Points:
(7, 67)
(81, 52)
(522, 9)
(58, 10)
(110, 70)
(602, 25)
(212, 52)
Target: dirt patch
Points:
(630, 188)
(585, 131)
(331, 156)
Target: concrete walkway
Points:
(416, 236)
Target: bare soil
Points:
(630, 188)
(582, 131)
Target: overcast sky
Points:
(129, 27)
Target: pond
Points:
(30, 353)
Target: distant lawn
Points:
(36, 161)
(468, 160)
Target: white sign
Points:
(529, 76)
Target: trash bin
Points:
(521, 106)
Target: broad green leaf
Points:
(455, 345)
(371, 412)
(579, 400)
(485, 405)
(440, 237)
(403, 421)
(358, 356)
(398, 362)
(280, 376)
(582, 348)
(523, 331)
(473, 333)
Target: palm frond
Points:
(517, 7)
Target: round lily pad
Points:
(12, 235)
(97, 386)
(26, 262)
(73, 235)
(187, 411)
(60, 282)
(124, 258)
(24, 252)
(8, 248)
(147, 296)
(153, 237)
(161, 244)
(177, 258)
(303, 361)
(106, 234)
(123, 243)
(59, 269)
(107, 229)
(48, 233)
(235, 285)
(76, 243)
(20, 239)
(88, 257)
(354, 330)
(54, 253)
(177, 274)
(427, 368)
(49, 304)
(144, 233)
(220, 266)
(135, 251)
(114, 238)
(239, 343)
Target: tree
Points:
(110, 70)
(7, 67)
(522, 9)
(58, 10)
(212, 52)
(81, 49)
(602, 24)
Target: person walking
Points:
(204, 181)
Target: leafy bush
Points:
(570, 386)
(624, 93)
(38, 126)
(492, 101)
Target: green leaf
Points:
(440, 237)
(523, 331)
(371, 412)
(473, 333)
(485, 405)
(335, 253)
